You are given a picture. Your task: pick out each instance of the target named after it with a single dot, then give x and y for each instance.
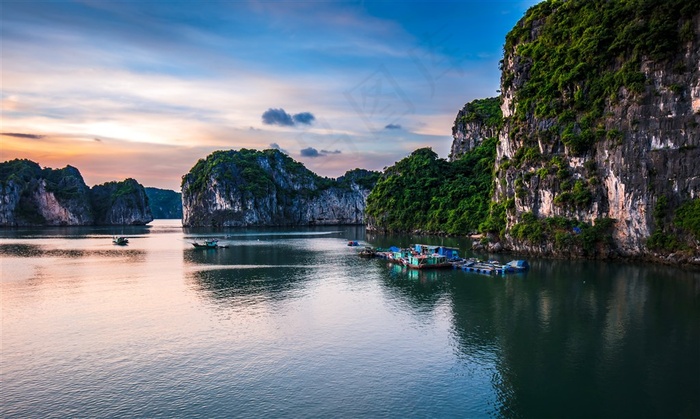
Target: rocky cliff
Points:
(268, 188)
(30, 195)
(120, 203)
(476, 121)
(601, 102)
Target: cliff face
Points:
(476, 121)
(120, 203)
(253, 188)
(614, 134)
(30, 195)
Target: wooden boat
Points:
(121, 241)
(367, 252)
(207, 244)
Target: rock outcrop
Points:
(120, 203)
(614, 134)
(32, 196)
(476, 121)
(268, 188)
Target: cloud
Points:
(393, 126)
(312, 152)
(23, 135)
(280, 117)
(277, 117)
(309, 152)
(306, 118)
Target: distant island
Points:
(32, 196)
(164, 203)
(239, 188)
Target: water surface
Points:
(291, 323)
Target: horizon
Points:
(144, 90)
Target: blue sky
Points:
(144, 89)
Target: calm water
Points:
(291, 323)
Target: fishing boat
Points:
(367, 252)
(121, 241)
(518, 265)
(207, 244)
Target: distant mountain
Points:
(269, 188)
(30, 195)
(164, 203)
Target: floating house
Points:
(449, 252)
(427, 262)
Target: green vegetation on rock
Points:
(424, 192)
(484, 111)
(567, 235)
(249, 170)
(577, 55)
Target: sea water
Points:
(292, 323)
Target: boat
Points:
(207, 244)
(367, 252)
(121, 241)
(518, 265)
(353, 243)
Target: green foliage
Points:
(253, 172)
(496, 220)
(20, 171)
(579, 54)
(425, 192)
(669, 237)
(687, 217)
(485, 111)
(566, 234)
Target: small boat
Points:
(367, 252)
(121, 241)
(518, 265)
(207, 244)
(353, 243)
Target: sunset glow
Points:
(145, 89)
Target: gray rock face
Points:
(654, 154)
(471, 127)
(253, 188)
(32, 196)
(120, 203)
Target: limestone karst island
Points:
(591, 150)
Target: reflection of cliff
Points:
(585, 339)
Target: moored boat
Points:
(121, 241)
(207, 244)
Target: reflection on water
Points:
(292, 323)
(582, 336)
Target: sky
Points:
(144, 89)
